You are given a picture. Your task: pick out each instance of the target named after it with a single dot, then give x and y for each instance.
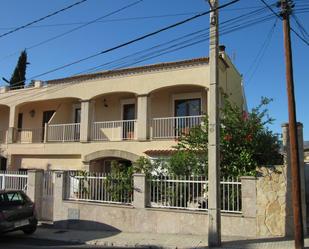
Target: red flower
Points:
(245, 115)
(227, 137)
(249, 138)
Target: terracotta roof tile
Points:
(110, 73)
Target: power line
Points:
(74, 29)
(134, 40)
(226, 30)
(42, 18)
(293, 30)
(300, 26)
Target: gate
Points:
(48, 196)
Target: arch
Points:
(54, 100)
(110, 153)
(107, 94)
(196, 86)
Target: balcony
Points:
(167, 128)
(63, 132)
(114, 130)
(173, 127)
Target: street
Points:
(19, 241)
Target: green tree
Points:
(19, 75)
(245, 143)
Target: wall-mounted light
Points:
(32, 113)
(105, 103)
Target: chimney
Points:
(221, 48)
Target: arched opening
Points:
(59, 114)
(114, 117)
(104, 165)
(102, 161)
(176, 109)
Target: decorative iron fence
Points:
(99, 187)
(113, 130)
(13, 180)
(63, 132)
(173, 127)
(183, 192)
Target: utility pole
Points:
(214, 203)
(295, 165)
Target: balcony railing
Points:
(173, 127)
(63, 132)
(113, 130)
(29, 135)
(3, 136)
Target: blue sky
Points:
(264, 76)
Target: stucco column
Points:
(286, 149)
(12, 124)
(248, 196)
(85, 122)
(58, 196)
(143, 106)
(141, 191)
(35, 189)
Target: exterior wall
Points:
(162, 99)
(63, 108)
(158, 84)
(274, 213)
(149, 220)
(4, 118)
(112, 111)
(46, 162)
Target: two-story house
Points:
(85, 121)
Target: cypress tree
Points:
(19, 75)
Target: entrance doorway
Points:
(128, 116)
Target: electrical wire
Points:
(134, 40)
(74, 29)
(292, 29)
(41, 19)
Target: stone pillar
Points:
(287, 162)
(141, 191)
(35, 188)
(12, 124)
(248, 196)
(86, 165)
(143, 105)
(85, 123)
(58, 196)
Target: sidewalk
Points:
(121, 239)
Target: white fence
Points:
(192, 193)
(173, 127)
(99, 187)
(13, 180)
(113, 130)
(29, 135)
(63, 132)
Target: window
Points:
(187, 107)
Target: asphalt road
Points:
(20, 241)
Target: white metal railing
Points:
(63, 132)
(99, 187)
(3, 136)
(114, 130)
(184, 192)
(15, 180)
(29, 135)
(173, 127)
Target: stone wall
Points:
(273, 215)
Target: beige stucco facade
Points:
(102, 102)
